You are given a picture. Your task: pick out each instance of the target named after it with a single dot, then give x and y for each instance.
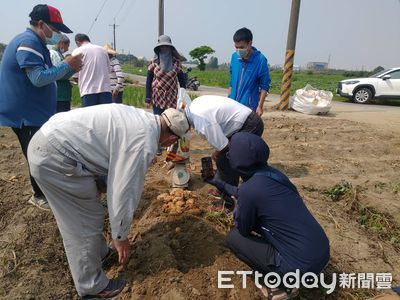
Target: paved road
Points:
(381, 116)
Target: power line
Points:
(95, 19)
(126, 12)
(119, 10)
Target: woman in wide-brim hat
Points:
(163, 75)
(117, 77)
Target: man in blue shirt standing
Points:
(249, 82)
(27, 80)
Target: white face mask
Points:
(55, 37)
(242, 53)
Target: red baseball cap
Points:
(49, 15)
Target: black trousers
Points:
(25, 135)
(254, 124)
(254, 251)
(63, 106)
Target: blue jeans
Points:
(95, 99)
(63, 106)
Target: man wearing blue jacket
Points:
(274, 231)
(249, 82)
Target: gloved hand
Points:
(223, 187)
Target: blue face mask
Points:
(242, 52)
(55, 37)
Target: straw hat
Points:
(109, 50)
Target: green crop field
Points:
(132, 96)
(220, 78)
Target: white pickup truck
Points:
(385, 84)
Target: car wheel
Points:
(362, 95)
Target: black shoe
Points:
(113, 288)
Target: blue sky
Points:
(356, 34)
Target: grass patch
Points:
(338, 190)
(134, 70)
(376, 223)
(220, 218)
(379, 187)
(380, 223)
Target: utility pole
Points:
(160, 17)
(114, 39)
(289, 57)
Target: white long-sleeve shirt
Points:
(111, 139)
(217, 118)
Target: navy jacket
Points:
(272, 207)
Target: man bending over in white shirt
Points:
(217, 119)
(66, 156)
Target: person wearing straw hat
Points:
(163, 75)
(117, 77)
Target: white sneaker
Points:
(39, 202)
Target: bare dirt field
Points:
(347, 173)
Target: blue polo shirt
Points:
(22, 103)
(248, 78)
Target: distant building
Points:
(317, 66)
(296, 68)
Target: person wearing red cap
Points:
(27, 80)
